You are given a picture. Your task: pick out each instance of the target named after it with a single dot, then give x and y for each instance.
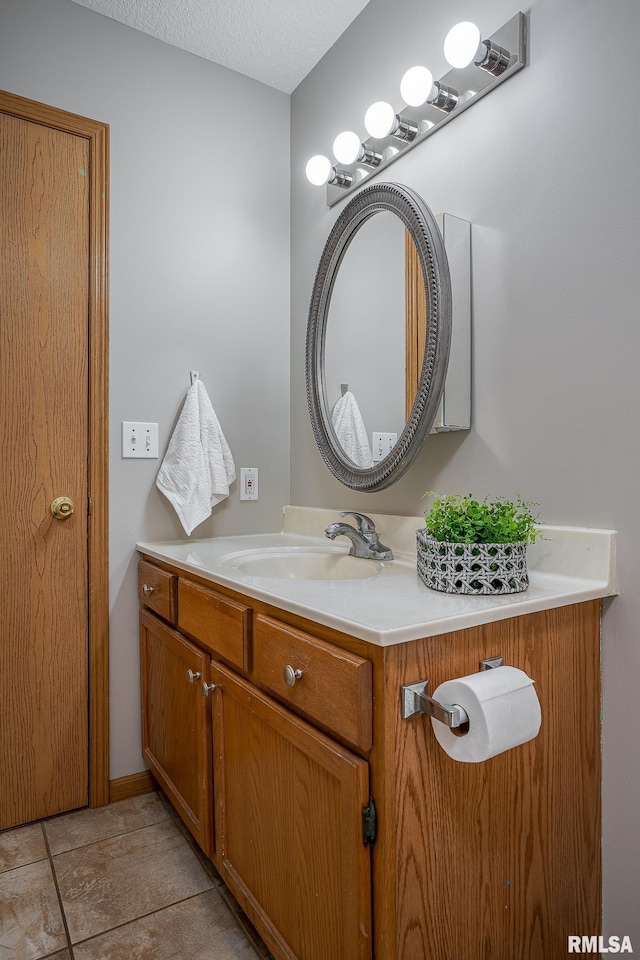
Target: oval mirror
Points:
(378, 335)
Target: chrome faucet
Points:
(365, 542)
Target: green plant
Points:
(457, 519)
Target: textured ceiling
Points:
(274, 41)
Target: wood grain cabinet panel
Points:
(219, 624)
(490, 861)
(176, 724)
(499, 860)
(289, 826)
(158, 590)
(334, 688)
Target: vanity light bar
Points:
(497, 58)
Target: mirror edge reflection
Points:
(426, 235)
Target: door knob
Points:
(62, 507)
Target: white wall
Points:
(546, 170)
(199, 273)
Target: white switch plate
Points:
(140, 440)
(248, 483)
(383, 443)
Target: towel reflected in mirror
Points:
(350, 430)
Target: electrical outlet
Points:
(248, 483)
(383, 444)
(140, 440)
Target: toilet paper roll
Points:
(503, 710)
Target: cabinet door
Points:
(289, 826)
(176, 724)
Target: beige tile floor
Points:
(123, 882)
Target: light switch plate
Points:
(383, 444)
(139, 440)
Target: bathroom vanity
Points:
(271, 718)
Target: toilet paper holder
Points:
(415, 700)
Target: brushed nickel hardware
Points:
(192, 676)
(62, 507)
(147, 590)
(207, 688)
(290, 675)
(415, 699)
(365, 541)
(491, 663)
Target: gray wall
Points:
(199, 273)
(546, 170)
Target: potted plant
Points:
(476, 546)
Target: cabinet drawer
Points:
(157, 590)
(216, 622)
(334, 687)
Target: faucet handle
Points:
(365, 524)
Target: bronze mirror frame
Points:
(426, 236)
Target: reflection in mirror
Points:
(375, 336)
(365, 335)
(368, 331)
(415, 321)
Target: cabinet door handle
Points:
(147, 590)
(207, 688)
(192, 676)
(290, 675)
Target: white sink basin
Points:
(302, 564)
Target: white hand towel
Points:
(351, 431)
(198, 467)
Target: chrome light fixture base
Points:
(503, 55)
(369, 156)
(340, 177)
(445, 99)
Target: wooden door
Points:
(288, 804)
(48, 399)
(176, 723)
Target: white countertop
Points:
(571, 565)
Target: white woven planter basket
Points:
(478, 568)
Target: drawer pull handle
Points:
(207, 688)
(147, 590)
(291, 675)
(192, 676)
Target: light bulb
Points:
(379, 120)
(461, 44)
(318, 170)
(416, 86)
(346, 147)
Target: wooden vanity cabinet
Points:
(158, 590)
(285, 796)
(497, 860)
(176, 723)
(288, 812)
